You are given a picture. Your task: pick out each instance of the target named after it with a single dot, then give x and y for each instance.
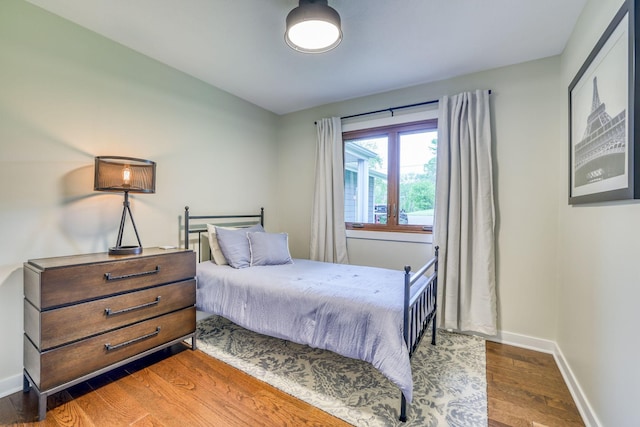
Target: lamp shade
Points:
(124, 174)
(313, 27)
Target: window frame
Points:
(392, 132)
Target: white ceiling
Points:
(238, 45)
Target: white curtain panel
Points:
(465, 215)
(328, 235)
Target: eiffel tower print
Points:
(600, 154)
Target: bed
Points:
(372, 314)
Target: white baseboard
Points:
(10, 385)
(588, 415)
(551, 347)
(524, 341)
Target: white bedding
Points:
(351, 310)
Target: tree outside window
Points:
(389, 175)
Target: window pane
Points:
(417, 177)
(365, 180)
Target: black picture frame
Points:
(603, 152)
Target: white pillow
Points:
(216, 252)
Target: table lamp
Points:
(127, 175)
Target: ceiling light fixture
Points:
(313, 27)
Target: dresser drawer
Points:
(63, 364)
(53, 328)
(53, 287)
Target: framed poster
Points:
(602, 163)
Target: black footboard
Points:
(419, 310)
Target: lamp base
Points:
(125, 250)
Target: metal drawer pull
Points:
(108, 311)
(110, 347)
(128, 276)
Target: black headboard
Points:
(197, 224)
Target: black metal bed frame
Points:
(419, 310)
(199, 230)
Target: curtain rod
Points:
(392, 109)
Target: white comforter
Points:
(351, 310)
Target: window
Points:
(389, 177)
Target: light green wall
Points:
(565, 274)
(67, 95)
(599, 275)
(525, 102)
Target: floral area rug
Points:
(450, 387)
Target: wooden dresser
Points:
(85, 315)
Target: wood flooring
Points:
(180, 387)
(526, 388)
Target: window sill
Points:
(390, 236)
